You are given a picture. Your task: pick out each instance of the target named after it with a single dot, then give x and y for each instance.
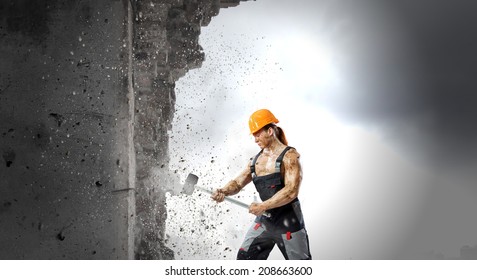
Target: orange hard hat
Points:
(260, 119)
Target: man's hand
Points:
(257, 209)
(218, 195)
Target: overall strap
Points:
(278, 163)
(252, 165)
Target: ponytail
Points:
(278, 132)
(281, 135)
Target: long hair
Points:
(278, 132)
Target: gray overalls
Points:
(285, 226)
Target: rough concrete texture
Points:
(63, 130)
(86, 103)
(166, 47)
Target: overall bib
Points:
(284, 226)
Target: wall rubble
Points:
(166, 47)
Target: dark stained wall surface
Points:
(63, 130)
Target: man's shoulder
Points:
(291, 154)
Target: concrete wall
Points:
(64, 130)
(86, 103)
(165, 48)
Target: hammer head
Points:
(189, 184)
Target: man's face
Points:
(262, 137)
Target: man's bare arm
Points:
(234, 186)
(293, 176)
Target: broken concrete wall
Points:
(86, 104)
(166, 47)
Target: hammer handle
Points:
(234, 201)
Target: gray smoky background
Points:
(378, 97)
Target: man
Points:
(276, 173)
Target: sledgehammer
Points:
(190, 186)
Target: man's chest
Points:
(265, 165)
